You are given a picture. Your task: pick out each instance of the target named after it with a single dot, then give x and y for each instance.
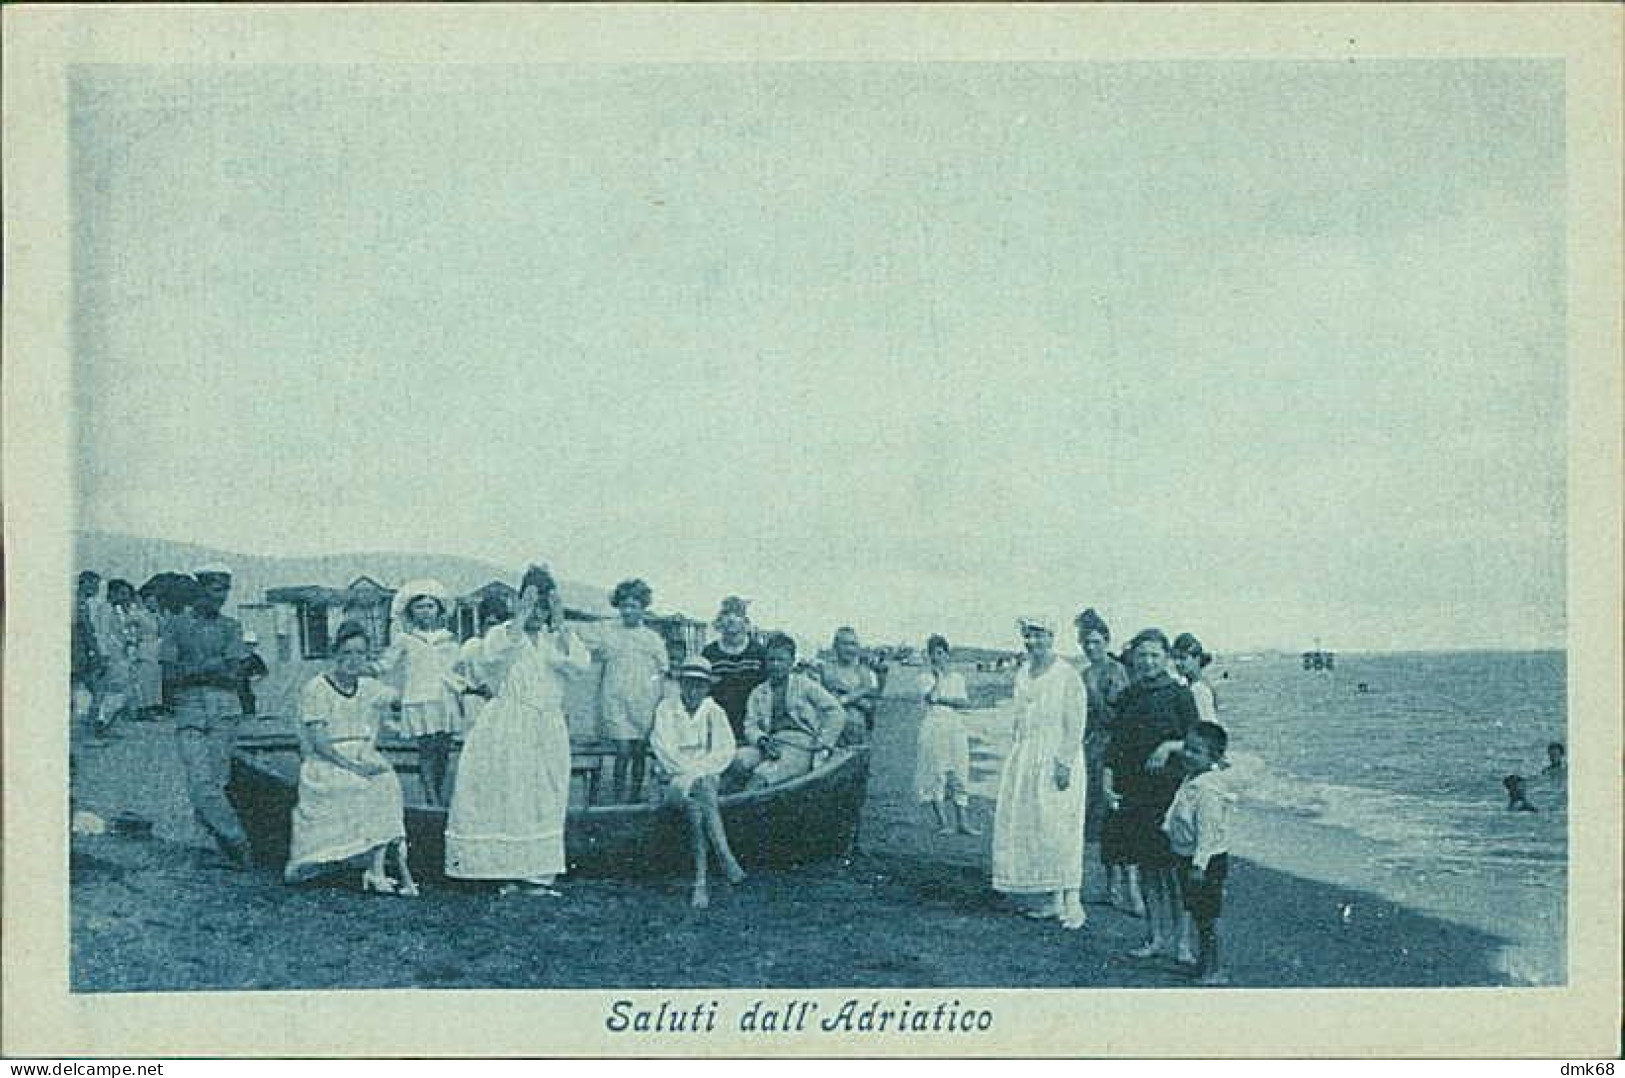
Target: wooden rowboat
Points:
(811, 818)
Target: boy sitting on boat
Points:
(693, 744)
(792, 723)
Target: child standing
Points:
(427, 654)
(634, 658)
(942, 756)
(1198, 829)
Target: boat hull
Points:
(809, 819)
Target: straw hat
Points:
(697, 668)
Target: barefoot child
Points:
(635, 659)
(1198, 829)
(693, 744)
(942, 755)
(427, 653)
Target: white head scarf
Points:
(416, 589)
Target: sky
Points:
(1272, 352)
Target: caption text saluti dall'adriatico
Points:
(795, 1016)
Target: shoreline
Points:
(907, 909)
(1529, 948)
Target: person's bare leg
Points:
(700, 897)
(1185, 935)
(712, 814)
(1212, 962)
(962, 814)
(1168, 909)
(1135, 897)
(623, 762)
(1155, 892)
(376, 878)
(1072, 914)
(407, 886)
(442, 767)
(426, 770)
(638, 770)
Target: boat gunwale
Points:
(245, 752)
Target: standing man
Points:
(85, 655)
(203, 657)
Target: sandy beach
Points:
(906, 909)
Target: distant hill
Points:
(136, 559)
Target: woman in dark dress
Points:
(1104, 678)
(738, 663)
(1142, 775)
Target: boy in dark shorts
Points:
(1198, 829)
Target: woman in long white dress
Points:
(149, 673)
(350, 807)
(513, 780)
(1038, 821)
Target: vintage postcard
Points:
(812, 531)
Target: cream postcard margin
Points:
(43, 1018)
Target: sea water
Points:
(1396, 788)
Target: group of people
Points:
(116, 647)
(1552, 779)
(739, 714)
(167, 650)
(1127, 757)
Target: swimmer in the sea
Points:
(1558, 763)
(1517, 800)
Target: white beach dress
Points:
(428, 696)
(513, 778)
(635, 662)
(943, 747)
(341, 814)
(1037, 828)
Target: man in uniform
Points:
(203, 657)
